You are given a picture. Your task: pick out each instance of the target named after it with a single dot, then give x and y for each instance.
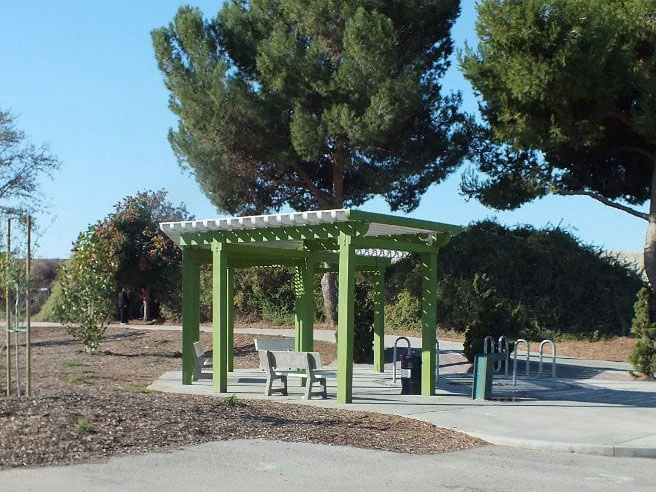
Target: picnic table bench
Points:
(282, 365)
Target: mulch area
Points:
(88, 407)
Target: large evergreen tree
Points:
(313, 104)
(568, 94)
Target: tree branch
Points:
(325, 201)
(605, 201)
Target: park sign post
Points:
(352, 240)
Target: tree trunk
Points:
(329, 291)
(329, 280)
(650, 242)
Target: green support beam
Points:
(230, 306)
(345, 318)
(379, 321)
(220, 317)
(428, 323)
(395, 244)
(190, 310)
(304, 307)
(291, 233)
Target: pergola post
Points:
(379, 320)
(190, 311)
(345, 318)
(230, 306)
(220, 316)
(304, 306)
(428, 322)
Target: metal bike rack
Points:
(553, 360)
(528, 358)
(394, 355)
(502, 347)
(554, 364)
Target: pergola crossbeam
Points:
(343, 241)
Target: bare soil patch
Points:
(615, 349)
(87, 407)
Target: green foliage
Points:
(78, 379)
(569, 99)
(563, 288)
(87, 290)
(71, 363)
(405, 312)
(643, 356)
(493, 318)
(48, 309)
(83, 426)
(231, 401)
(363, 324)
(313, 104)
(146, 257)
(138, 389)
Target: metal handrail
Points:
(394, 355)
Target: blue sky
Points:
(82, 77)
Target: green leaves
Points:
(313, 103)
(573, 84)
(87, 290)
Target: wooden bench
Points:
(283, 365)
(201, 362)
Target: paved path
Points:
(271, 465)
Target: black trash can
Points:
(411, 375)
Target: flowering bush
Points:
(87, 291)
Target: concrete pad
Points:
(606, 418)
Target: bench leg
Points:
(283, 380)
(308, 388)
(324, 393)
(268, 386)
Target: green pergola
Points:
(351, 240)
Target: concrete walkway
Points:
(595, 408)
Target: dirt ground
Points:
(616, 349)
(87, 407)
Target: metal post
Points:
(528, 358)
(190, 311)
(28, 334)
(428, 323)
(394, 355)
(379, 321)
(7, 309)
(219, 316)
(230, 306)
(553, 359)
(345, 318)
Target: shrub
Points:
(643, 356)
(493, 318)
(83, 426)
(565, 287)
(87, 291)
(363, 325)
(405, 312)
